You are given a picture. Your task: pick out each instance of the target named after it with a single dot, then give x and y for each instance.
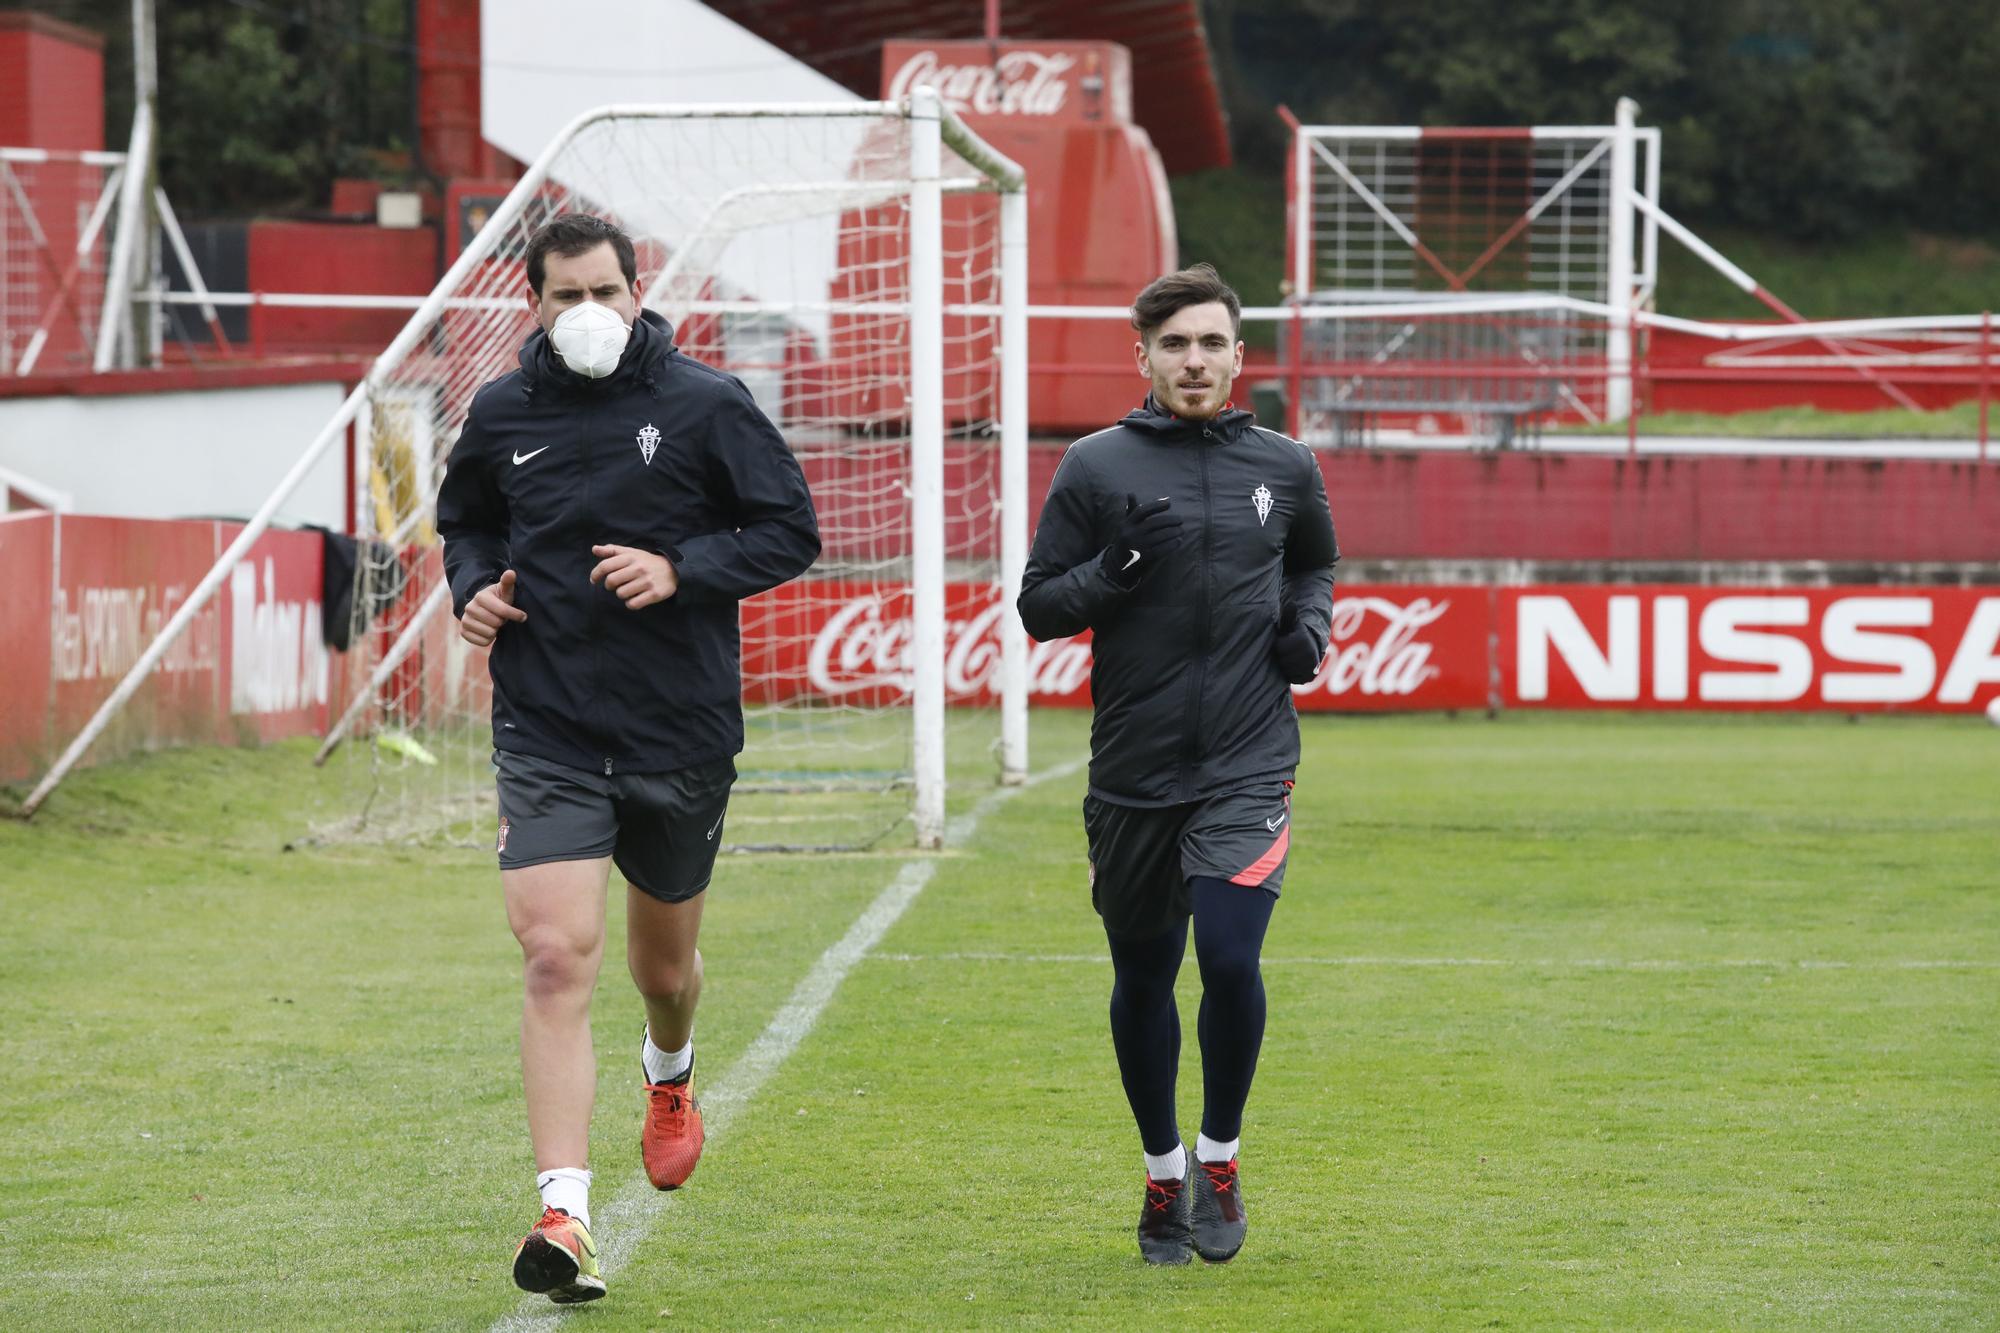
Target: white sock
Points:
(665, 1066)
(1208, 1150)
(1163, 1166)
(567, 1188)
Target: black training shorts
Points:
(1142, 857)
(660, 829)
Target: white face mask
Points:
(590, 338)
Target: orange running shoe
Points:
(670, 1144)
(559, 1258)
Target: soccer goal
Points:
(1483, 279)
(862, 268)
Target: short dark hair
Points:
(1166, 296)
(570, 234)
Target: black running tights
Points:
(1229, 925)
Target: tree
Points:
(262, 107)
(1801, 117)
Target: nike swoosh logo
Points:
(713, 827)
(1129, 563)
(520, 458)
(1272, 824)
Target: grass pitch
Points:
(1603, 1022)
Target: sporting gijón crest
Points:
(1261, 497)
(649, 443)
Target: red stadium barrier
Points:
(1409, 647)
(27, 565)
(251, 667)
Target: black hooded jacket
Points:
(1188, 700)
(665, 454)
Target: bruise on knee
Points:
(555, 963)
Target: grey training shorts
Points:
(660, 829)
(1142, 857)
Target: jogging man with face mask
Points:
(1198, 549)
(604, 510)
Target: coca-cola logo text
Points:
(1393, 661)
(1019, 83)
(859, 649)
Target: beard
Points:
(1172, 396)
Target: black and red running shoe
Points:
(1164, 1236)
(1219, 1220)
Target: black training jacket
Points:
(1188, 700)
(666, 454)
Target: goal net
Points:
(846, 263)
(55, 210)
(1465, 281)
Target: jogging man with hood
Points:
(603, 511)
(1198, 549)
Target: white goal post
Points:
(893, 357)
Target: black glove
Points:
(1147, 532)
(1296, 649)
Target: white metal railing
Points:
(1900, 325)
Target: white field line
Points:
(629, 1216)
(1551, 964)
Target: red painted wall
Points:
(51, 84)
(331, 257)
(1546, 506)
(52, 97)
(1448, 505)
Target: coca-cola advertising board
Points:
(853, 643)
(1398, 647)
(1393, 648)
(1050, 83)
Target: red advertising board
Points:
(1401, 647)
(852, 643)
(1060, 83)
(1100, 217)
(27, 571)
(272, 638)
(117, 582)
(92, 594)
(1853, 649)
(1393, 648)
